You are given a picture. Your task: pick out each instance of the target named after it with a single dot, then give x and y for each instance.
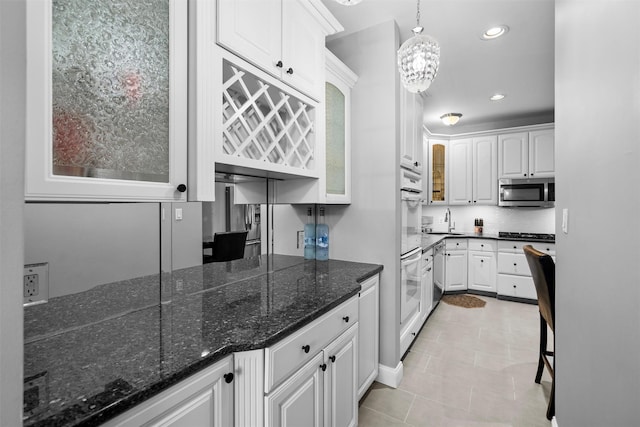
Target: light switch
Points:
(565, 221)
(178, 214)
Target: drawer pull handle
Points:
(413, 333)
(333, 359)
(481, 260)
(515, 247)
(428, 269)
(290, 70)
(515, 264)
(306, 348)
(346, 319)
(228, 377)
(279, 64)
(482, 246)
(323, 367)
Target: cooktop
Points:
(516, 235)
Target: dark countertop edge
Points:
(372, 273)
(121, 406)
(477, 236)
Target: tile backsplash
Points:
(532, 220)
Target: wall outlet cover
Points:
(35, 283)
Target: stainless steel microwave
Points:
(535, 192)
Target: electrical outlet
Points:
(35, 283)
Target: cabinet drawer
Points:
(516, 246)
(516, 286)
(513, 264)
(453, 244)
(286, 356)
(483, 245)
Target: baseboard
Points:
(390, 376)
(554, 422)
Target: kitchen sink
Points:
(447, 233)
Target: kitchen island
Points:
(87, 372)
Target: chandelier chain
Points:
(418, 14)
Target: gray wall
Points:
(597, 161)
(12, 136)
(368, 229)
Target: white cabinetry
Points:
(337, 178)
(105, 125)
(526, 154)
(427, 285)
(482, 265)
(206, 399)
(514, 275)
(541, 153)
(284, 38)
(456, 265)
(473, 171)
(311, 377)
(460, 172)
(411, 133)
(368, 329)
(485, 170)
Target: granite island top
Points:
(85, 374)
(429, 240)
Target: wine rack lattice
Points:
(263, 123)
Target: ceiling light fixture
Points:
(497, 97)
(450, 119)
(348, 2)
(495, 32)
(418, 59)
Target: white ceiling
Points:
(519, 64)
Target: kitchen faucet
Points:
(447, 218)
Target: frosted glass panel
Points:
(110, 89)
(335, 102)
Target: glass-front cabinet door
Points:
(106, 100)
(340, 80)
(438, 185)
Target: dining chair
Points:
(543, 270)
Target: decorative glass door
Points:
(106, 100)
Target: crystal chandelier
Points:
(418, 59)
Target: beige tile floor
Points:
(467, 367)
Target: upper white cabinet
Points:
(473, 171)
(460, 172)
(438, 184)
(542, 153)
(526, 154)
(106, 121)
(339, 82)
(284, 38)
(411, 138)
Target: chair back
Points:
(229, 245)
(543, 271)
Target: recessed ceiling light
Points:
(495, 32)
(497, 97)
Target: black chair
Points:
(543, 271)
(226, 246)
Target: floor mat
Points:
(462, 300)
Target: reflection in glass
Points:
(232, 225)
(438, 177)
(110, 89)
(335, 149)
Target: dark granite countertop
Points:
(429, 240)
(87, 373)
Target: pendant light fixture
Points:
(418, 59)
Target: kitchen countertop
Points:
(429, 240)
(88, 373)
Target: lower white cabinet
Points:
(514, 274)
(368, 333)
(204, 400)
(323, 392)
(456, 270)
(482, 271)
